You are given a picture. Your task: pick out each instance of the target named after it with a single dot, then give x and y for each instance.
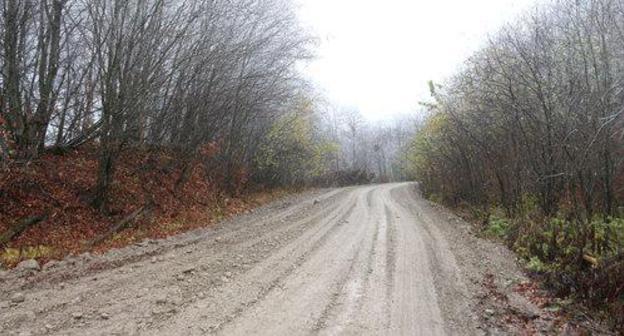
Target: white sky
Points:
(377, 55)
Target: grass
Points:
(12, 256)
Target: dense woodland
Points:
(115, 110)
(181, 75)
(529, 135)
(122, 111)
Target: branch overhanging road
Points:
(369, 260)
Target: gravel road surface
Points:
(369, 260)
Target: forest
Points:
(127, 119)
(114, 112)
(528, 138)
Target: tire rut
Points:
(351, 288)
(294, 255)
(364, 260)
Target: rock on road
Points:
(370, 260)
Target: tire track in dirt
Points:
(220, 251)
(415, 309)
(450, 287)
(111, 293)
(307, 290)
(366, 260)
(352, 288)
(390, 261)
(271, 272)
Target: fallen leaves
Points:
(61, 185)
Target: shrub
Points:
(497, 227)
(12, 256)
(536, 265)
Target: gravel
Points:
(360, 260)
(28, 265)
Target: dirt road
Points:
(371, 260)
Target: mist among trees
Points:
(180, 75)
(529, 135)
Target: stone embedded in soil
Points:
(50, 264)
(142, 244)
(28, 265)
(161, 300)
(18, 298)
(77, 315)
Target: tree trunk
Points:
(21, 227)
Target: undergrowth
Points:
(580, 259)
(60, 186)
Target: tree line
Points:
(320, 144)
(371, 150)
(533, 125)
(182, 75)
(538, 111)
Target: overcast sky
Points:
(377, 55)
